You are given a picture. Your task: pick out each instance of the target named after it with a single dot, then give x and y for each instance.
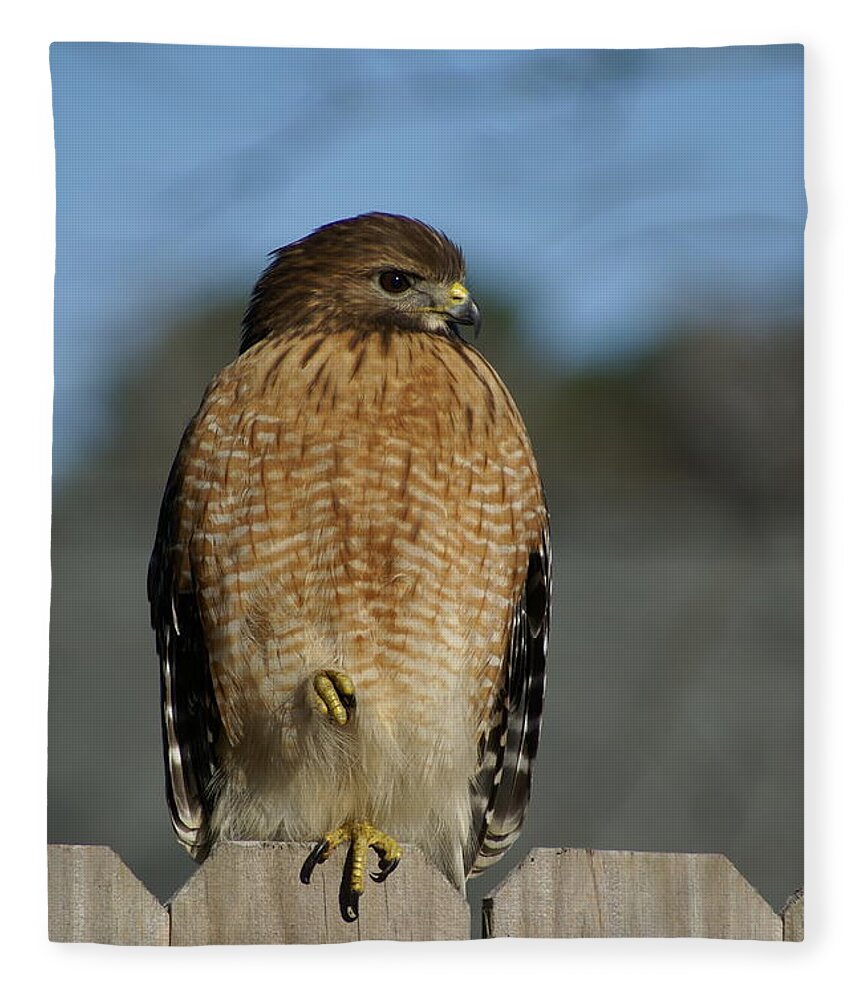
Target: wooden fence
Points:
(249, 893)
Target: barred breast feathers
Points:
(414, 395)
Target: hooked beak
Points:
(461, 308)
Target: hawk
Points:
(350, 583)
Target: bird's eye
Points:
(394, 281)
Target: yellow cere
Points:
(458, 292)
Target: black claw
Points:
(385, 869)
(348, 897)
(348, 900)
(349, 908)
(316, 857)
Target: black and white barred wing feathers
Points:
(190, 720)
(502, 785)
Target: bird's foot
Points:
(332, 694)
(362, 837)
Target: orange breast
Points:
(364, 503)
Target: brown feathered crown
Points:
(330, 279)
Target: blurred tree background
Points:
(672, 459)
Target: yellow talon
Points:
(362, 836)
(333, 694)
(334, 839)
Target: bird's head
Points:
(371, 272)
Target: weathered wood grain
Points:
(569, 892)
(92, 896)
(249, 893)
(792, 917)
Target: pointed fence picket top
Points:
(569, 892)
(792, 917)
(250, 893)
(92, 896)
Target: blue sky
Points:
(620, 193)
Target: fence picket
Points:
(792, 917)
(92, 896)
(249, 893)
(568, 892)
